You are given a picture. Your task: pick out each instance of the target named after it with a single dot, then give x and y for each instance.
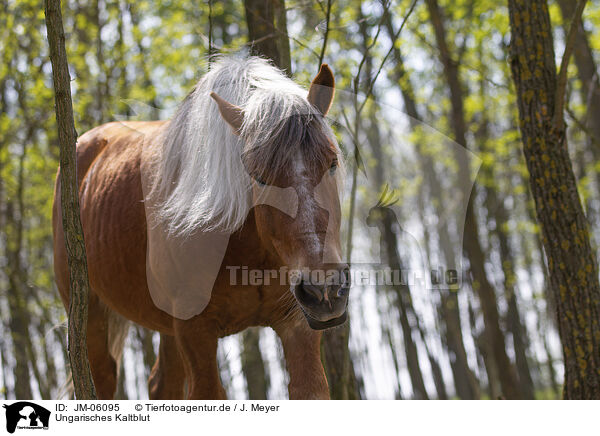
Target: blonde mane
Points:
(201, 179)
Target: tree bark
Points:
(78, 276)
(267, 31)
(338, 364)
(253, 366)
(572, 264)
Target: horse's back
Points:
(113, 220)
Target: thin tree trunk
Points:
(19, 330)
(50, 376)
(497, 211)
(267, 31)
(471, 244)
(465, 381)
(550, 364)
(586, 70)
(17, 323)
(572, 263)
(392, 346)
(391, 256)
(147, 347)
(19, 271)
(338, 364)
(517, 330)
(590, 96)
(253, 366)
(78, 276)
(485, 358)
(17, 302)
(335, 354)
(267, 34)
(389, 247)
(121, 393)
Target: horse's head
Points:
(289, 145)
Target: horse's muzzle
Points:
(324, 305)
(324, 325)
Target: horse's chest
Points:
(236, 308)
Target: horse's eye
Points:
(333, 167)
(260, 181)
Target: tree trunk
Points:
(471, 245)
(391, 255)
(11, 227)
(78, 276)
(587, 71)
(338, 364)
(253, 366)
(465, 381)
(484, 356)
(337, 361)
(17, 301)
(590, 96)
(144, 337)
(497, 211)
(267, 31)
(571, 262)
(18, 331)
(517, 330)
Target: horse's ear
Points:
(322, 89)
(232, 114)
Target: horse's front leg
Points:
(167, 379)
(302, 349)
(198, 350)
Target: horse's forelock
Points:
(272, 155)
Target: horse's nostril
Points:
(343, 291)
(313, 291)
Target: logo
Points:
(26, 415)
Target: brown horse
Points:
(207, 165)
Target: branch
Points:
(326, 36)
(366, 54)
(559, 101)
(582, 126)
(387, 55)
(210, 34)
